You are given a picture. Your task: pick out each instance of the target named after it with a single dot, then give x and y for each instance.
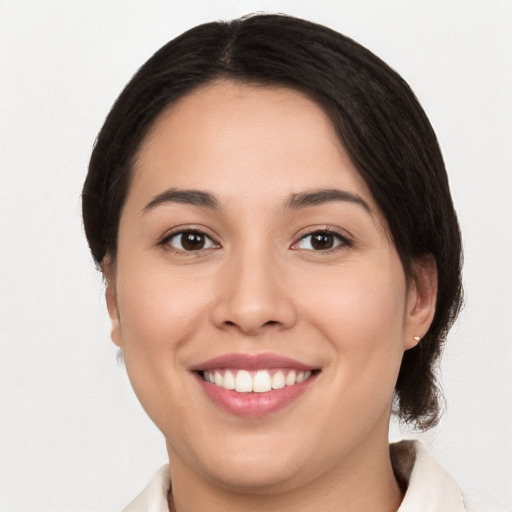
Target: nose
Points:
(252, 296)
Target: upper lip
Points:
(251, 362)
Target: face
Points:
(251, 254)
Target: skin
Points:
(260, 287)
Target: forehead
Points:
(235, 139)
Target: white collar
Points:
(154, 496)
(429, 487)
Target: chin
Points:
(249, 462)
(258, 474)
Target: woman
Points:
(269, 206)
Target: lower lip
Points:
(254, 405)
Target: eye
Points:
(321, 241)
(190, 241)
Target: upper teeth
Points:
(259, 381)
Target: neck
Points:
(363, 481)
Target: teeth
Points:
(290, 378)
(243, 382)
(229, 381)
(260, 382)
(278, 380)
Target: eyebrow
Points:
(322, 196)
(192, 197)
(294, 202)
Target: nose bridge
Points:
(251, 294)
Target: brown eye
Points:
(190, 241)
(321, 241)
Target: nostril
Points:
(270, 322)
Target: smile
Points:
(260, 381)
(254, 385)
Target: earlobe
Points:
(111, 300)
(113, 311)
(421, 300)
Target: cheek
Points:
(155, 304)
(159, 313)
(361, 313)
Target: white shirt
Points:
(429, 487)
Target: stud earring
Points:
(417, 338)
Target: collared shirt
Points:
(429, 487)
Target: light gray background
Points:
(72, 434)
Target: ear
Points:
(421, 300)
(108, 268)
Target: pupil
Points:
(192, 241)
(322, 241)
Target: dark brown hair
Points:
(378, 120)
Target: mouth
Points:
(254, 385)
(259, 381)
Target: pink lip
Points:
(251, 362)
(252, 405)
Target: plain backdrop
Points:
(72, 434)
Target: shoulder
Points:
(429, 487)
(154, 496)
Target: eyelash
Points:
(342, 239)
(165, 242)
